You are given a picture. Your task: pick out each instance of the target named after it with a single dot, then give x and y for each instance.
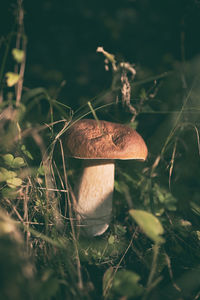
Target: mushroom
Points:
(98, 144)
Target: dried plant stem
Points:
(21, 39)
(78, 264)
(3, 63)
(50, 186)
(15, 210)
(171, 273)
(21, 74)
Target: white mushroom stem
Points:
(94, 196)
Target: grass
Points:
(152, 248)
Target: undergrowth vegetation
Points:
(152, 248)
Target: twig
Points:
(172, 163)
(170, 273)
(15, 210)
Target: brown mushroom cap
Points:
(89, 139)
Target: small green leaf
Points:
(160, 194)
(14, 182)
(6, 174)
(41, 171)
(118, 187)
(18, 162)
(12, 162)
(8, 159)
(26, 152)
(143, 94)
(111, 239)
(11, 174)
(134, 125)
(3, 174)
(164, 198)
(126, 284)
(12, 78)
(119, 230)
(195, 208)
(18, 55)
(149, 224)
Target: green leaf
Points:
(8, 159)
(195, 208)
(6, 174)
(159, 193)
(133, 125)
(18, 162)
(12, 162)
(41, 171)
(119, 230)
(143, 94)
(126, 284)
(164, 197)
(3, 174)
(18, 55)
(118, 187)
(149, 224)
(111, 239)
(14, 182)
(26, 152)
(12, 78)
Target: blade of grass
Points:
(172, 132)
(80, 281)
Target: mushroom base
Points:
(94, 196)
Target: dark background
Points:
(63, 37)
